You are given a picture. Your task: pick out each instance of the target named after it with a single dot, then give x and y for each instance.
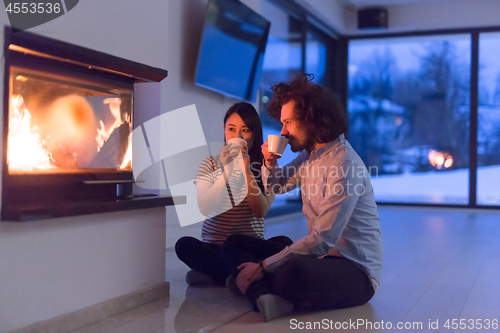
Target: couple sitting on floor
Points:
(339, 262)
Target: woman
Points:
(231, 195)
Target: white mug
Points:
(237, 141)
(276, 144)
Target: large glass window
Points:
(488, 138)
(408, 112)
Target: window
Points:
(294, 46)
(408, 113)
(488, 137)
(318, 48)
(282, 61)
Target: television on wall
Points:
(232, 50)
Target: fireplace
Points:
(67, 128)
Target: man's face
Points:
(294, 130)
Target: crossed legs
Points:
(305, 281)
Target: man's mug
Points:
(276, 144)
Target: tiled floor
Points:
(439, 264)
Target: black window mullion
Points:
(474, 102)
(304, 43)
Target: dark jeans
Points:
(207, 257)
(307, 282)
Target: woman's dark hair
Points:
(319, 108)
(252, 120)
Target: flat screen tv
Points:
(232, 49)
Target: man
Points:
(339, 263)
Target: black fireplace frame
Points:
(39, 196)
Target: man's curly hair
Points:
(318, 108)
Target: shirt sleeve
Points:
(341, 192)
(280, 180)
(205, 171)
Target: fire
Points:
(25, 150)
(103, 133)
(59, 139)
(128, 154)
(439, 159)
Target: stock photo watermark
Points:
(26, 14)
(365, 324)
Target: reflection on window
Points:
(488, 137)
(408, 116)
(282, 62)
(316, 53)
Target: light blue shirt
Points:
(339, 205)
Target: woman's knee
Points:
(184, 245)
(232, 242)
(285, 240)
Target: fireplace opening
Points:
(68, 124)
(62, 125)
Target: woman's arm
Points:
(210, 194)
(259, 202)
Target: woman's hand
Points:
(269, 158)
(249, 272)
(228, 154)
(246, 157)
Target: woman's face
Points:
(236, 128)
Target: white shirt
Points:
(339, 205)
(233, 214)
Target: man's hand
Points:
(269, 158)
(249, 272)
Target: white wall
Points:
(330, 12)
(52, 267)
(432, 15)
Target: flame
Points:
(128, 154)
(103, 133)
(25, 150)
(439, 159)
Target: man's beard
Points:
(296, 146)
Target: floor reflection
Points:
(208, 307)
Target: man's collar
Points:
(329, 146)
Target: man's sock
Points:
(273, 306)
(194, 277)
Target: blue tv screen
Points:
(232, 50)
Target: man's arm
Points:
(334, 212)
(280, 180)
